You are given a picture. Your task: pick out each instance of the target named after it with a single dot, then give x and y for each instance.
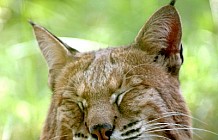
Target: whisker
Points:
(169, 124)
(190, 128)
(182, 114)
(197, 135)
(161, 125)
(158, 136)
(169, 114)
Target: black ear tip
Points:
(172, 2)
(31, 23)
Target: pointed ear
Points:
(55, 52)
(161, 37)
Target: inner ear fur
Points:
(161, 37)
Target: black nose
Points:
(101, 131)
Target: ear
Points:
(55, 52)
(161, 37)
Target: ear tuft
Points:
(31, 22)
(172, 2)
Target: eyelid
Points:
(118, 96)
(114, 97)
(82, 104)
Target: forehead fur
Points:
(103, 71)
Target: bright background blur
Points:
(24, 94)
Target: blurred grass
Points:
(24, 95)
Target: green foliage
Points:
(24, 94)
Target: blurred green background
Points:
(24, 94)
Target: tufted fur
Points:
(133, 88)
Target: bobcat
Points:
(124, 93)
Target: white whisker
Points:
(171, 124)
(197, 135)
(190, 128)
(158, 136)
(159, 118)
(182, 114)
(169, 114)
(166, 124)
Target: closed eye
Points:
(70, 97)
(118, 96)
(115, 97)
(82, 104)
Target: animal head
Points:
(128, 92)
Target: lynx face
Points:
(123, 93)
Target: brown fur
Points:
(134, 88)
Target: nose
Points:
(101, 131)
